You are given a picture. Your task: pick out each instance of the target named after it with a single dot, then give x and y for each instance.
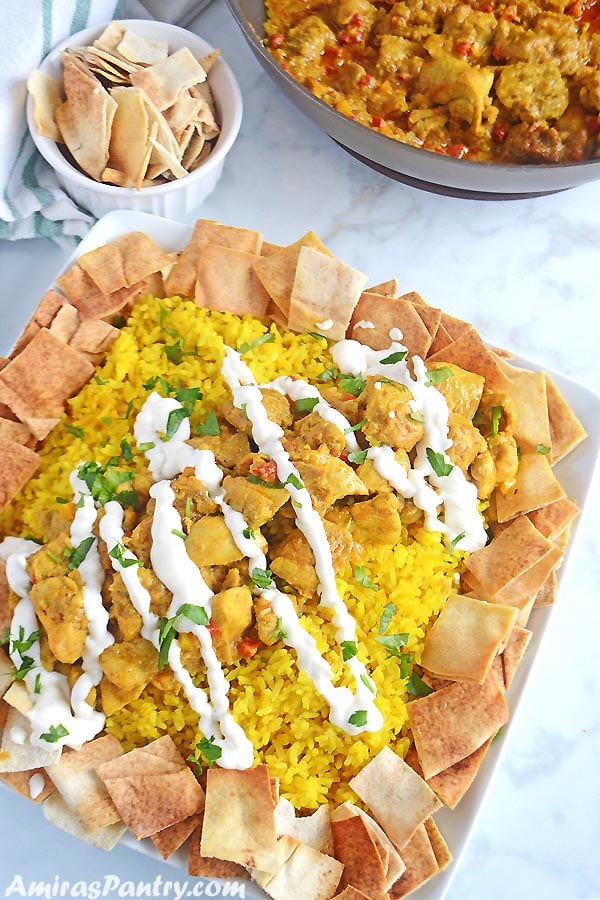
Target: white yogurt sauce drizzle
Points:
(421, 484)
(49, 691)
(267, 436)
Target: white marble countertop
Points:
(526, 272)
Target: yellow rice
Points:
(283, 715)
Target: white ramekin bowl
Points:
(179, 197)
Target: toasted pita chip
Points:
(160, 757)
(438, 844)
(513, 551)
(387, 314)
(85, 119)
(535, 486)
(305, 873)
(523, 590)
(546, 595)
(129, 136)
(140, 255)
(513, 653)
(47, 95)
(93, 338)
(111, 37)
(554, 518)
(46, 310)
(17, 464)
(566, 431)
(34, 785)
(58, 813)
(355, 849)
(324, 288)
(208, 866)
(168, 157)
(286, 845)
(171, 839)
(399, 800)
(452, 784)
(165, 80)
(239, 818)
(91, 302)
(36, 383)
(440, 341)
(431, 318)
(80, 787)
(226, 281)
(452, 723)
(65, 322)
(531, 424)
(313, 830)
(387, 288)
(183, 112)
(150, 803)
(17, 753)
(464, 639)
(182, 278)
(469, 352)
(277, 269)
(421, 864)
(394, 867)
(139, 49)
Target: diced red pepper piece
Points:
(247, 647)
(367, 80)
(357, 20)
(267, 470)
(463, 48)
(214, 629)
(276, 40)
(500, 130)
(498, 53)
(376, 122)
(456, 150)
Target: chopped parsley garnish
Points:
(358, 718)
(99, 380)
(172, 332)
(21, 644)
(317, 336)
(262, 578)
(296, 504)
(455, 541)
(367, 682)
(436, 376)
(417, 687)
(188, 507)
(103, 481)
(329, 374)
(187, 395)
(349, 649)
(267, 338)
(174, 352)
(5, 637)
(129, 498)
(405, 660)
(248, 533)
(210, 426)
(126, 451)
(393, 642)
(119, 322)
(356, 427)
(54, 734)
(208, 750)
(77, 555)
(306, 404)
(498, 734)
(166, 629)
(146, 445)
(55, 559)
(106, 420)
(174, 420)
(61, 500)
(164, 312)
(438, 462)
(386, 617)
(76, 431)
(495, 420)
(280, 632)
(543, 449)
(256, 479)
(397, 357)
(27, 664)
(118, 553)
(352, 384)
(357, 457)
(416, 416)
(244, 409)
(360, 573)
(37, 689)
(294, 481)
(179, 534)
(128, 410)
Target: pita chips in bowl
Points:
(135, 115)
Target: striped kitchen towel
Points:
(32, 204)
